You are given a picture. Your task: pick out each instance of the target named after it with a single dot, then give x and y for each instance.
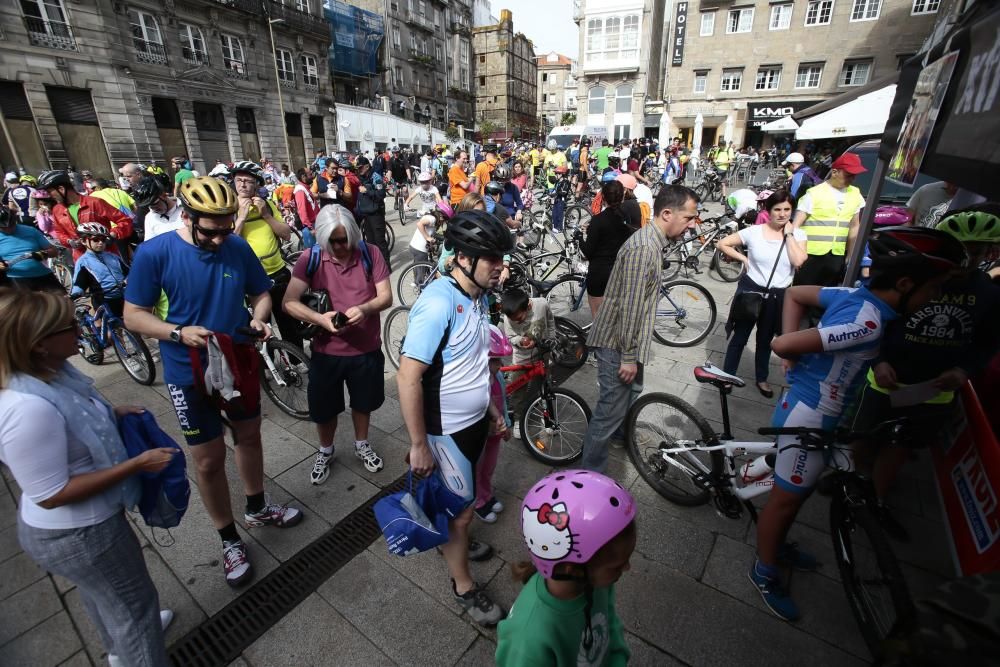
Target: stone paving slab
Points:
(49, 643)
(27, 608)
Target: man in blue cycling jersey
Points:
(825, 366)
(444, 387)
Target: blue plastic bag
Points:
(415, 521)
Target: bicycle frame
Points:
(533, 370)
(744, 491)
(102, 333)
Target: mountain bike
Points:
(678, 454)
(284, 373)
(104, 329)
(368, 235)
(686, 253)
(710, 188)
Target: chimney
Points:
(506, 16)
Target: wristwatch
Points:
(175, 335)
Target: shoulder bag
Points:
(748, 304)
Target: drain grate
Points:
(221, 638)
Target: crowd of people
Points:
(195, 262)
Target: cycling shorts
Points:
(456, 456)
(797, 470)
(200, 417)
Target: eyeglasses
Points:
(245, 181)
(212, 233)
(340, 241)
(74, 327)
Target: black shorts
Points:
(927, 424)
(457, 455)
(327, 376)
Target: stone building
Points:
(556, 89)
(736, 65)
(506, 75)
(97, 84)
(620, 72)
(461, 99)
(417, 67)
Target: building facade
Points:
(556, 89)
(735, 65)
(461, 99)
(506, 79)
(620, 71)
(357, 51)
(101, 83)
(417, 74)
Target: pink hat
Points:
(628, 180)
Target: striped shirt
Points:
(625, 320)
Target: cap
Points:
(794, 158)
(850, 163)
(628, 180)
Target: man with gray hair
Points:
(347, 348)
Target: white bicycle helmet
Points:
(90, 229)
(552, 145)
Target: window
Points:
(482, 81)
(700, 81)
(286, 70)
(808, 76)
(595, 37)
(146, 37)
(855, 73)
(437, 52)
(623, 99)
(925, 6)
(781, 17)
(612, 36)
(310, 75)
(232, 54)
(193, 44)
(740, 20)
(707, 24)
(768, 78)
(545, 77)
(397, 75)
(818, 12)
(865, 10)
(395, 37)
(630, 37)
(482, 59)
(413, 42)
(422, 7)
(46, 17)
(595, 100)
(302, 5)
(732, 79)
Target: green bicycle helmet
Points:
(976, 224)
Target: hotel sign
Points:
(680, 29)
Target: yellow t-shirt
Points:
(261, 238)
(536, 157)
(556, 159)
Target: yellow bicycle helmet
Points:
(205, 195)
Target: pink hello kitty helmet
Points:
(569, 515)
(499, 344)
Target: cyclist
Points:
(197, 280)
(72, 209)
(460, 182)
(825, 365)
(724, 156)
(602, 154)
(18, 198)
(99, 271)
(399, 169)
(164, 212)
(182, 171)
(483, 173)
(444, 387)
(16, 241)
(510, 197)
(426, 193)
(370, 209)
(348, 185)
(117, 197)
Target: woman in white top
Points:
(60, 440)
(763, 243)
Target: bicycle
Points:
(686, 253)
(399, 203)
(369, 236)
(93, 339)
(284, 373)
(710, 188)
(684, 460)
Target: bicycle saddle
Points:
(715, 376)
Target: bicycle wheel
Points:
(89, 347)
(390, 238)
(64, 275)
(574, 218)
(567, 298)
(401, 210)
(288, 384)
(394, 333)
(553, 427)
(412, 281)
(728, 268)
(701, 190)
(660, 421)
(673, 260)
(133, 355)
(571, 345)
(685, 314)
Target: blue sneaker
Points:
(791, 555)
(773, 594)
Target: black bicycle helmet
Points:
(476, 233)
(344, 163)
(53, 179)
(147, 191)
(585, 141)
(613, 161)
(915, 252)
(248, 167)
(494, 188)
(363, 162)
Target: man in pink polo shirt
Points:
(348, 348)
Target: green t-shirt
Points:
(74, 212)
(544, 630)
(601, 155)
(182, 175)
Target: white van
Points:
(565, 134)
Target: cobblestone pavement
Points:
(686, 599)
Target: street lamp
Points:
(277, 83)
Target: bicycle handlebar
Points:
(250, 332)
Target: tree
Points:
(568, 118)
(451, 132)
(486, 128)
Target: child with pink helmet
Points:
(487, 506)
(579, 526)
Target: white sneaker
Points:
(166, 618)
(497, 506)
(364, 451)
(321, 468)
(517, 431)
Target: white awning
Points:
(863, 116)
(785, 125)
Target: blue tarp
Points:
(355, 38)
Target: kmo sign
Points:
(680, 30)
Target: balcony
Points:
(416, 55)
(192, 57)
(286, 80)
(50, 34)
(427, 92)
(293, 19)
(236, 69)
(149, 52)
(420, 21)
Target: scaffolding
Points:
(356, 36)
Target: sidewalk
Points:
(686, 599)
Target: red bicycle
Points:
(555, 421)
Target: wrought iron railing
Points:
(50, 34)
(149, 52)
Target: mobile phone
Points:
(340, 320)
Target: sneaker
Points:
(803, 561)
(479, 551)
(495, 505)
(321, 468)
(479, 606)
(486, 513)
(890, 525)
(166, 618)
(517, 431)
(774, 595)
(235, 563)
(273, 514)
(364, 451)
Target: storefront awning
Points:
(863, 116)
(781, 126)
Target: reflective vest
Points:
(828, 225)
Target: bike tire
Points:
(390, 238)
(685, 314)
(701, 191)
(394, 333)
(143, 370)
(727, 268)
(408, 288)
(561, 442)
(563, 296)
(64, 275)
(571, 345)
(847, 525)
(645, 433)
(89, 347)
(673, 260)
(289, 360)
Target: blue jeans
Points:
(613, 402)
(106, 564)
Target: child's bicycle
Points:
(684, 460)
(103, 329)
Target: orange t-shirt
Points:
(484, 172)
(455, 178)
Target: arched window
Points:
(146, 37)
(623, 99)
(595, 100)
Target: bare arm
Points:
(729, 246)
(800, 218)
(796, 343)
(143, 322)
(796, 249)
(382, 300)
(852, 233)
(89, 484)
(411, 402)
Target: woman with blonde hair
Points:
(60, 439)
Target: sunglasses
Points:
(342, 241)
(212, 233)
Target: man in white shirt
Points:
(164, 216)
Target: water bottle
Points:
(756, 469)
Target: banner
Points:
(760, 114)
(680, 30)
